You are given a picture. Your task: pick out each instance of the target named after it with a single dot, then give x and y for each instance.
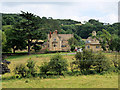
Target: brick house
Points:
(57, 42)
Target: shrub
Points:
(116, 60)
(44, 68)
(58, 64)
(84, 60)
(21, 70)
(87, 72)
(36, 47)
(46, 51)
(101, 63)
(74, 66)
(72, 48)
(31, 67)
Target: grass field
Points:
(88, 81)
(82, 81)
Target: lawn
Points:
(82, 81)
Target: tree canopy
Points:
(19, 30)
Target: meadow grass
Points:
(82, 81)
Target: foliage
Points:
(21, 70)
(101, 63)
(68, 21)
(15, 39)
(36, 47)
(84, 60)
(31, 67)
(58, 64)
(4, 66)
(104, 38)
(27, 70)
(10, 19)
(21, 29)
(72, 41)
(44, 68)
(3, 40)
(115, 43)
(72, 48)
(88, 60)
(30, 28)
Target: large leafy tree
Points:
(104, 38)
(30, 26)
(15, 40)
(115, 43)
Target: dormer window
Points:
(97, 46)
(88, 41)
(63, 46)
(54, 39)
(88, 46)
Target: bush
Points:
(31, 67)
(88, 60)
(21, 70)
(87, 72)
(84, 60)
(36, 47)
(72, 48)
(101, 63)
(46, 51)
(44, 68)
(58, 64)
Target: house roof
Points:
(91, 40)
(63, 36)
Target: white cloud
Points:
(104, 12)
(59, 0)
(111, 18)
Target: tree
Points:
(44, 68)
(31, 67)
(84, 60)
(15, 39)
(104, 38)
(36, 47)
(2, 39)
(115, 43)
(79, 39)
(84, 30)
(30, 26)
(58, 64)
(101, 63)
(72, 41)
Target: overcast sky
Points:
(80, 10)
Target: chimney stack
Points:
(50, 34)
(94, 33)
(56, 31)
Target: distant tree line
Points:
(19, 30)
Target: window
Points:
(88, 41)
(97, 46)
(63, 46)
(88, 46)
(54, 45)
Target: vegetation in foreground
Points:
(45, 71)
(82, 81)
